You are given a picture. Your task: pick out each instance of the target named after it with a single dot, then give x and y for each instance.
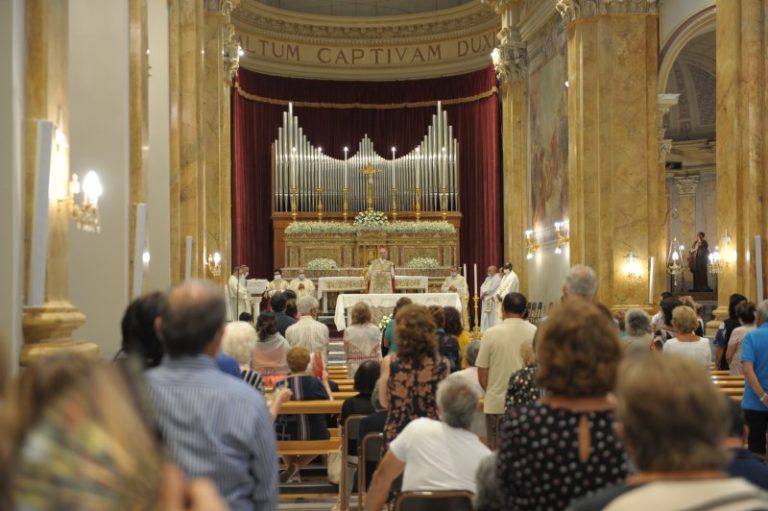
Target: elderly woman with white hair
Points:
(419, 452)
(637, 324)
(238, 342)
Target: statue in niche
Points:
(698, 258)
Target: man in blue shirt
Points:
(215, 426)
(754, 360)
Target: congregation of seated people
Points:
(587, 410)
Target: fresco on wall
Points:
(548, 124)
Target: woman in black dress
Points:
(564, 446)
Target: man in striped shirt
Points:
(215, 425)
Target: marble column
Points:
(613, 141)
(49, 328)
(664, 102)
(511, 63)
(201, 48)
(742, 162)
(686, 191)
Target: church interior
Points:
(371, 149)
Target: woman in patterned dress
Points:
(564, 445)
(409, 378)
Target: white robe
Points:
(239, 299)
(308, 290)
(510, 283)
(457, 282)
(489, 317)
(277, 286)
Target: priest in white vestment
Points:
(278, 285)
(302, 286)
(488, 290)
(381, 274)
(454, 283)
(510, 283)
(237, 291)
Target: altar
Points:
(382, 304)
(326, 285)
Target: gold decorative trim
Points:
(366, 106)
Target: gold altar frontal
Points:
(352, 248)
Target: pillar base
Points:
(48, 330)
(721, 314)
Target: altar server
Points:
(510, 283)
(302, 286)
(278, 285)
(239, 299)
(489, 316)
(454, 283)
(381, 274)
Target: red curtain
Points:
(475, 123)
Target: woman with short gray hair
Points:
(239, 341)
(637, 323)
(470, 376)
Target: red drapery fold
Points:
(475, 123)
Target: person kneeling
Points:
(421, 453)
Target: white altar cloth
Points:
(344, 302)
(327, 285)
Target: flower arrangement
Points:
(371, 219)
(320, 228)
(322, 263)
(427, 263)
(383, 322)
(421, 227)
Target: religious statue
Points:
(237, 291)
(454, 283)
(698, 258)
(381, 274)
(302, 285)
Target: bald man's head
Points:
(193, 318)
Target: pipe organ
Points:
(307, 180)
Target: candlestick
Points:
(319, 204)
(346, 163)
(465, 311)
(444, 203)
(418, 202)
(475, 278)
(476, 334)
(345, 203)
(294, 200)
(394, 203)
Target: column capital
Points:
(510, 58)
(686, 185)
(572, 10)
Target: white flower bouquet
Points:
(371, 220)
(422, 263)
(322, 263)
(319, 228)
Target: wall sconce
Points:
(561, 235)
(214, 264)
(716, 264)
(632, 268)
(674, 259)
(531, 245)
(145, 257)
(85, 213)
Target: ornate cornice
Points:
(255, 17)
(572, 10)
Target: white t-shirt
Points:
(697, 350)
(437, 456)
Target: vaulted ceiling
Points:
(364, 7)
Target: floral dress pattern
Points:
(412, 388)
(522, 388)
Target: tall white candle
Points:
(346, 163)
(475, 279)
(651, 268)
(464, 273)
(759, 268)
(392, 167)
(418, 167)
(188, 259)
(39, 243)
(138, 248)
(320, 167)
